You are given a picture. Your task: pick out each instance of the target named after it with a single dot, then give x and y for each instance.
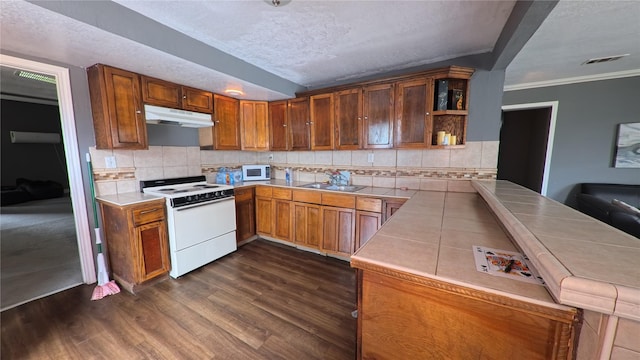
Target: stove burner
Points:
(205, 186)
(167, 189)
(180, 191)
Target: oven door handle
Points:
(187, 207)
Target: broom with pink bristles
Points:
(104, 287)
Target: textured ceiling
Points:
(270, 53)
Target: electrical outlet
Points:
(370, 157)
(270, 156)
(110, 162)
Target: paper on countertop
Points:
(494, 262)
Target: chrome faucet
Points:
(336, 178)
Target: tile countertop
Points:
(585, 262)
(432, 236)
(375, 191)
(130, 198)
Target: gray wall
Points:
(585, 133)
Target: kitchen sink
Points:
(324, 186)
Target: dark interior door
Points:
(523, 146)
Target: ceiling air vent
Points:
(604, 59)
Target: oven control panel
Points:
(211, 196)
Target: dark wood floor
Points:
(264, 301)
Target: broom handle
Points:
(93, 192)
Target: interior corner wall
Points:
(585, 132)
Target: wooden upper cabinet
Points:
(378, 116)
(254, 126)
(322, 122)
(160, 93)
(278, 125)
(163, 93)
(298, 116)
(413, 118)
(348, 119)
(226, 127)
(117, 109)
(197, 100)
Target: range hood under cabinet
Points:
(163, 115)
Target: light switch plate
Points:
(370, 157)
(110, 162)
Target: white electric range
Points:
(201, 220)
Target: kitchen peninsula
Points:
(420, 295)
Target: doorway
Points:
(71, 157)
(526, 139)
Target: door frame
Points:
(72, 156)
(552, 129)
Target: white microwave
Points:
(256, 172)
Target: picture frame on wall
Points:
(628, 146)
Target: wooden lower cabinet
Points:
(137, 243)
(367, 223)
(282, 222)
(245, 214)
(338, 230)
(307, 229)
(402, 316)
(390, 206)
(264, 216)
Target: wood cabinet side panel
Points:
(405, 320)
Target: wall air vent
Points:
(604, 59)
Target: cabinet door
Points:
(254, 125)
(117, 108)
(278, 125)
(390, 207)
(197, 100)
(322, 123)
(367, 223)
(306, 224)
(153, 254)
(298, 116)
(264, 216)
(161, 93)
(282, 219)
(348, 118)
(378, 116)
(245, 214)
(413, 119)
(227, 123)
(338, 230)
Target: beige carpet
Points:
(39, 251)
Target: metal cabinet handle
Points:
(360, 118)
(284, 125)
(138, 112)
(311, 122)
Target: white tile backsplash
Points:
(174, 156)
(342, 158)
(171, 161)
(324, 158)
(359, 158)
(409, 158)
(384, 158)
(148, 158)
(469, 157)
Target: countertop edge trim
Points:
(556, 311)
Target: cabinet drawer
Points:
(314, 197)
(148, 214)
(264, 191)
(339, 200)
(284, 194)
(369, 204)
(243, 194)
